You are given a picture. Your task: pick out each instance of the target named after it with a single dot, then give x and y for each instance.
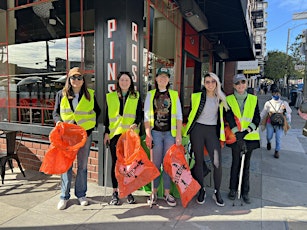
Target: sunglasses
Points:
(240, 82)
(79, 78)
(208, 82)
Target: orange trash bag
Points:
(65, 142)
(176, 166)
(133, 169)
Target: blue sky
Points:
(279, 19)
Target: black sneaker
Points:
(218, 198)
(201, 196)
(170, 200)
(276, 154)
(268, 146)
(232, 194)
(246, 198)
(130, 199)
(115, 199)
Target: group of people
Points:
(210, 110)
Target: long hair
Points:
(69, 93)
(218, 90)
(131, 91)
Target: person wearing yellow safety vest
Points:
(206, 128)
(163, 122)
(123, 112)
(76, 104)
(244, 107)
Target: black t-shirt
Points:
(162, 109)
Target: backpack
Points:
(277, 119)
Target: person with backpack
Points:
(275, 117)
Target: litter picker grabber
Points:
(243, 151)
(152, 195)
(107, 152)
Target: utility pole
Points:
(298, 16)
(305, 78)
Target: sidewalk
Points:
(278, 195)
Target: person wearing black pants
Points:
(206, 128)
(243, 119)
(123, 112)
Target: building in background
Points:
(41, 40)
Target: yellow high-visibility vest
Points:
(247, 117)
(84, 114)
(195, 101)
(119, 124)
(174, 97)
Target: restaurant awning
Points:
(227, 26)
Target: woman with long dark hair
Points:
(76, 104)
(123, 112)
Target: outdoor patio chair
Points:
(11, 153)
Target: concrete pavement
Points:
(278, 195)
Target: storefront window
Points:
(162, 43)
(37, 54)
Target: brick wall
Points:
(228, 77)
(31, 155)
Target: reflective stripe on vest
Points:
(195, 100)
(174, 97)
(248, 114)
(84, 114)
(119, 124)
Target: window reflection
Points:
(36, 55)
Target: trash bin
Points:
(293, 97)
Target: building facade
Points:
(43, 39)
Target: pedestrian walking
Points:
(243, 119)
(123, 112)
(76, 103)
(163, 122)
(279, 110)
(206, 128)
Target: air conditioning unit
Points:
(193, 14)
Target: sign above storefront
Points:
(247, 65)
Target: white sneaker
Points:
(83, 201)
(62, 204)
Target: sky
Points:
(279, 20)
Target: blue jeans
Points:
(278, 132)
(81, 178)
(162, 142)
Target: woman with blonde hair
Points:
(206, 119)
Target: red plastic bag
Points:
(65, 142)
(176, 166)
(133, 169)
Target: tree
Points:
(298, 56)
(276, 65)
(279, 64)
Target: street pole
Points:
(305, 77)
(299, 16)
(288, 67)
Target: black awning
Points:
(227, 25)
